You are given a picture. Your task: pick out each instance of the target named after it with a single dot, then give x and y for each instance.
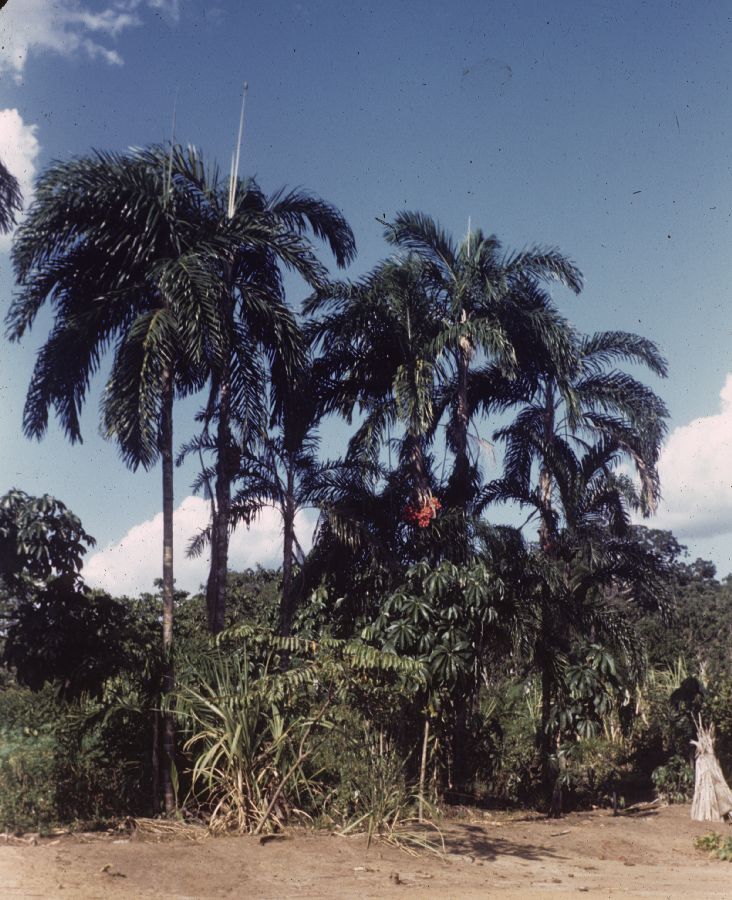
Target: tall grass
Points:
(249, 739)
(254, 719)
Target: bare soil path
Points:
(645, 854)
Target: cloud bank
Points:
(69, 28)
(131, 565)
(696, 475)
(19, 150)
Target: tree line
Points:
(446, 350)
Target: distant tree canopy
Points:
(700, 628)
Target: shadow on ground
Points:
(472, 840)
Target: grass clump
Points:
(715, 845)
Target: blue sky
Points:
(602, 128)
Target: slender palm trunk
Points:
(225, 469)
(423, 766)
(462, 422)
(212, 584)
(546, 538)
(166, 452)
(545, 494)
(415, 456)
(287, 607)
(216, 588)
(547, 736)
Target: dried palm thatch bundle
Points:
(712, 796)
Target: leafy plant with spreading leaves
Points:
(252, 723)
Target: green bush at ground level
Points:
(717, 846)
(67, 762)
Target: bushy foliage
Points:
(715, 845)
(39, 537)
(247, 743)
(253, 716)
(78, 639)
(67, 762)
(674, 781)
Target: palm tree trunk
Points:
(462, 422)
(423, 766)
(415, 455)
(545, 731)
(216, 589)
(212, 584)
(166, 452)
(548, 546)
(287, 604)
(225, 467)
(546, 538)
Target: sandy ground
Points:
(649, 853)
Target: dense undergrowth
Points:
(279, 731)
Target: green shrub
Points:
(27, 790)
(360, 771)
(674, 781)
(717, 846)
(67, 762)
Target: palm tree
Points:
(276, 467)
(254, 333)
(282, 471)
(488, 303)
(564, 409)
(377, 338)
(105, 245)
(576, 427)
(11, 201)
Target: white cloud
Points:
(131, 565)
(696, 475)
(64, 27)
(19, 149)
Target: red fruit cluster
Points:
(421, 516)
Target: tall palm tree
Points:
(105, 245)
(489, 303)
(11, 201)
(251, 236)
(577, 425)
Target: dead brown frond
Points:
(169, 828)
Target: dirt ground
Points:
(647, 853)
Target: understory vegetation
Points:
(329, 732)
(420, 655)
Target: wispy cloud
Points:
(171, 8)
(19, 149)
(70, 27)
(131, 565)
(696, 475)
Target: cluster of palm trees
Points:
(178, 274)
